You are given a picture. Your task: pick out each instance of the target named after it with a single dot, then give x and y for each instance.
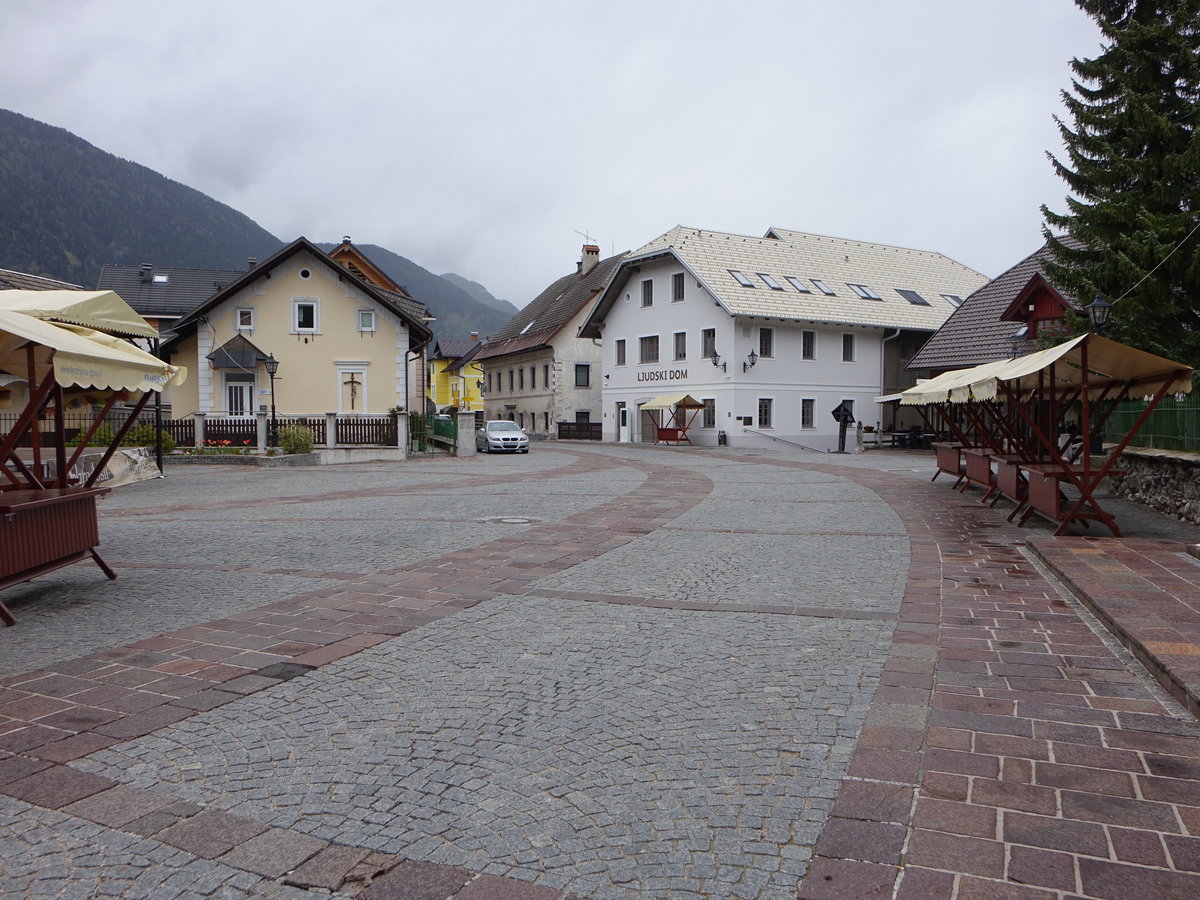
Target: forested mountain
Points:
(480, 293)
(67, 208)
(457, 312)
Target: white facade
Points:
(800, 393)
(805, 362)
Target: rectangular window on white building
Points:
(648, 349)
(647, 293)
(847, 348)
(620, 358)
(681, 345)
(710, 413)
(366, 320)
(765, 411)
(583, 375)
(708, 343)
(245, 319)
(808, 409)
(766, 342)
(676, 287)
(808, 345)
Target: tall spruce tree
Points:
(1133, 169)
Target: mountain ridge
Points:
(67, 208)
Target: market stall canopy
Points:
(80, 356)
(99, 310)
(1107, 362)
(679, 401)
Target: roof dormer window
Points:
(863, 291)
(741, 279)
(797, 284)
(912, 297)
(770, 281)
(823, 287)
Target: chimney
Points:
(591, 256)
(475, 336)
(251, 262)
(147, 272)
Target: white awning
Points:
(1107, 362)
(80, 356)
(99, 310)
(679, 401)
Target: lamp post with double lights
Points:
(271, 364)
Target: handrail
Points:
(786, 441)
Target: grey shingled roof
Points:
(183, 291)
(538, 322)
(22, 281)
(452, 348)
(975, 333)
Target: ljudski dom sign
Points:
(663, 375)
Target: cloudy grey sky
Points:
(480, 137)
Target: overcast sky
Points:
(482, 137)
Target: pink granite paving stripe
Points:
(1147, 593)
(1007, 752)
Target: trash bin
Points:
(721, 442)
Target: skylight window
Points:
(863, 291)
(527, 327)
(770, 282)
(823, 287)
(160, 279)
(953, 299)
(741, 279)
(912, 297)
(797, 284)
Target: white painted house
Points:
(771, 333)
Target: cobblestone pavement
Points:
(591, 671)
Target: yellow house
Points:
(342, 344)
(455, 378)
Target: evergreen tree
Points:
(1133, 169)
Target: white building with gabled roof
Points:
(771, 333)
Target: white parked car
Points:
(501, 435)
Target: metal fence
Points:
(232, 432)
(579, 431)
(1174, 424)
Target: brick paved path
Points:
(652, 688)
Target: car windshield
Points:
(504, 426)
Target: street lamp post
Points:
(1098, 311)
(272, 366)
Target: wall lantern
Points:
(716, 361)
(750, 362)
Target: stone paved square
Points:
(644, 739)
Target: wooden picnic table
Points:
(1046, 497)
(42, 530)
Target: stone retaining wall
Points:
(1165, 480)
